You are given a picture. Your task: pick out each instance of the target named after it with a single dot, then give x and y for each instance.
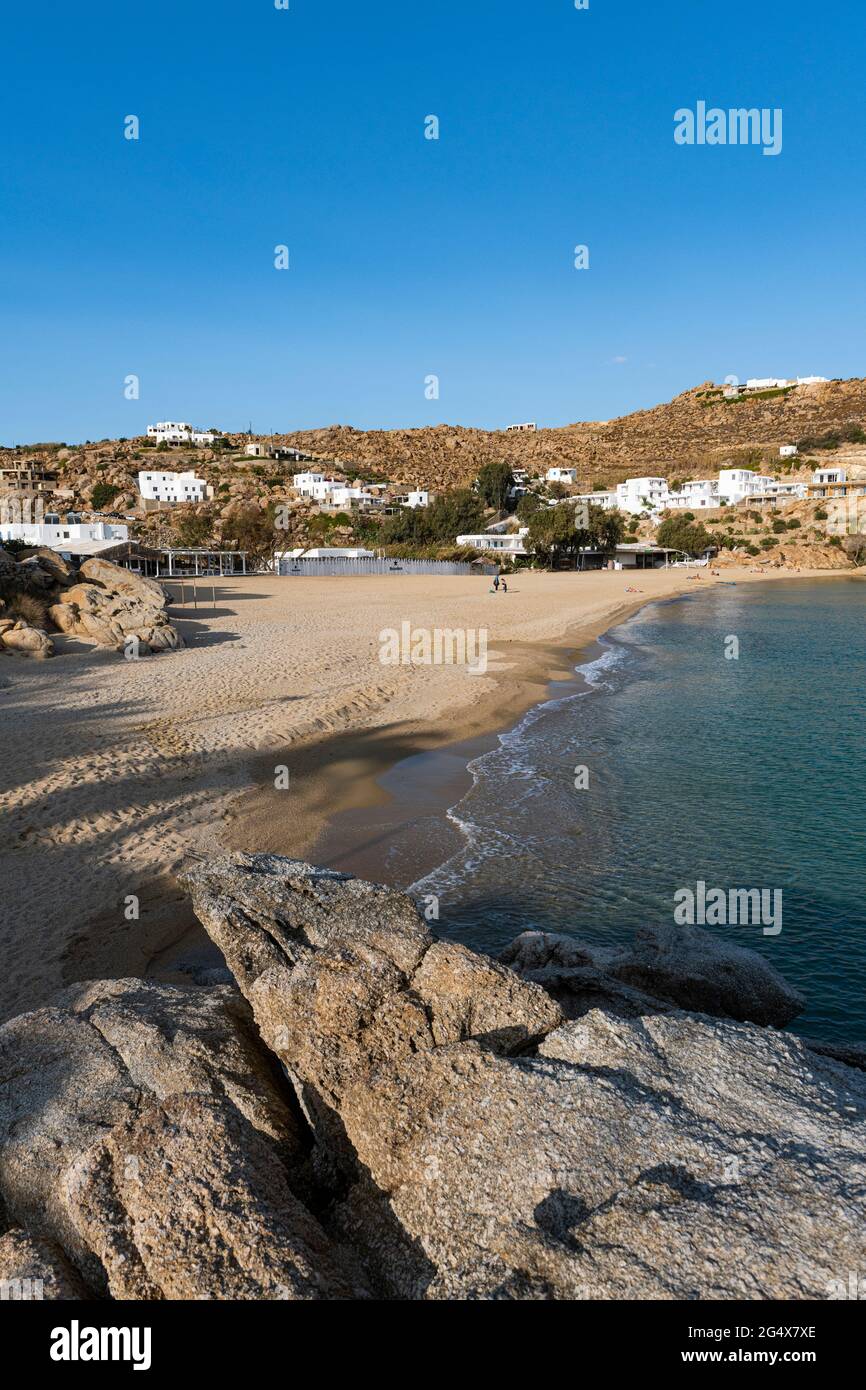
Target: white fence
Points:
(335, 566)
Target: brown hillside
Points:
(689, 435)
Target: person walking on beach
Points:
(496, 584)
(504, 586)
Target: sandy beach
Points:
(115, 773)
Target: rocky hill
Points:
(692, 434)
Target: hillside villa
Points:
(171, 487)
(178, 432)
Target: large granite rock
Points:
(144, 1133)
(111, 604)
(476, 1147)
(343, 977)
(665, 966)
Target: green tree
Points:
(678, 534)
(194, 529)
(253, 530)
(494, 482)
(528, 506)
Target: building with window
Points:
(171, 487)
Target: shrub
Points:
(103, 494)
(835, 540)
(28, 608)
(779, 526)
(768, 542)
(794, 524)
(821, 515)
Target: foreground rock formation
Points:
(436, 1129)
(679, 966)
(101, 602)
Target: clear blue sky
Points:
(411, 257)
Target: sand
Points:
(116, 773)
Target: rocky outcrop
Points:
(112, 605)
(483, 1149)
(436, 1128)
(684, 967)
(144, 1133)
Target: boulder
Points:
(477, 1147)
(114, 604)
(144, 1132)
(665, 966)
(27, 641)
(118, 580)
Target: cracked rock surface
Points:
(379, 1113)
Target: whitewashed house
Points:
(606, 500)
(637, 495)
(788, 451)
(314, 485)
(171, 487)
(561, 475)
(500, 543)
(696, 495)
(420, 498)
(53, 531)
(736, 484)
(529, 428)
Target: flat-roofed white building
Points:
(605, 500)
(788, 451)
(178, 432)
(500, 543)
(53, 533)
(736, 484)
(171, 487)
(698, 494)
(561, 475)
(315, 485)
(528, 428)
(419, 498)
(637, 495)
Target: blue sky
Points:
(411, 257)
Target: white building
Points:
(692, 496)
(178, 432)
(324, 552)
(788, 451)
(810, 380)
(420, 498)
(314, 485)
(736, 484)
(511, 543)
(529, 428)
(830, 475)
(342, 495)
(561, 475)
(767, 383)
(53, 531)
(606, 500)
(637, 495)
(171, 487)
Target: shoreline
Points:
(118, 774)
(324, 802)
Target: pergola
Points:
(193, 562)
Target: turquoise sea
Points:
(743, 773)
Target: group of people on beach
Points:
(499, 584)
